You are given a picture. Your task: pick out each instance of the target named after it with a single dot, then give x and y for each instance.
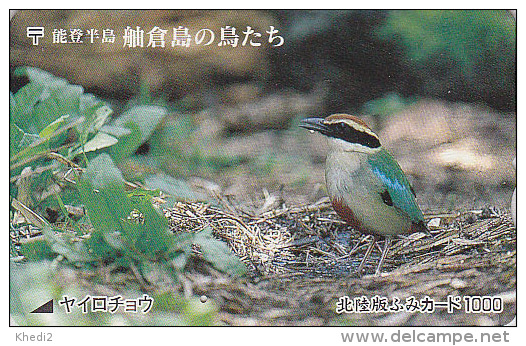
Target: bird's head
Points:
(345, 132)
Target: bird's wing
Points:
(399, 191)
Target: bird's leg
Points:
(367, 254)
(384, 255)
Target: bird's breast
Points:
(356, 195)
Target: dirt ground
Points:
(298, 276)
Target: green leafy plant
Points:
(46, 112)
(468, 55)
(52, 120)
(131, 231)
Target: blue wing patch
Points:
(398, 187)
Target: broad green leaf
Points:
(27, 140)
(37, 147)
(28, 147)
(102, 193)
(51, 128)
(181, 243)
(110, 210)
(142, 121)
(96, 114)
(43, 100)
(63, 244)
(99, 141)
(218, 254)
(15, 138)
(36, 249)
(179, 260)
(178, 189)
(116, 131)
(43, 112)
(39, 76)
(22, 104)
(101, 112)
(99, 247)
(52, 243)
(61, 101)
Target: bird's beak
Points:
(315, 124)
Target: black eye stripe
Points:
(352, 135)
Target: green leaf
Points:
(102, 193)
(101, 112)
(95, 112)
(178, 189)
(22, 104)
(217, 253)
(73, 251)
(181, 244)
(36, 249)
(47, 98)
(100, 248)
(142, 121)
(49, 105)
(154, 239)
(15, 138)
(39, 76)
(37, 147)
(61, 101)
(109, 209)
(99, 141)
(55, 243)
(116, 131)
(48, 131)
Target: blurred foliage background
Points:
(363, 55)
(194, 123)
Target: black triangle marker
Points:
(46, 308)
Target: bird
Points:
(367, 187)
